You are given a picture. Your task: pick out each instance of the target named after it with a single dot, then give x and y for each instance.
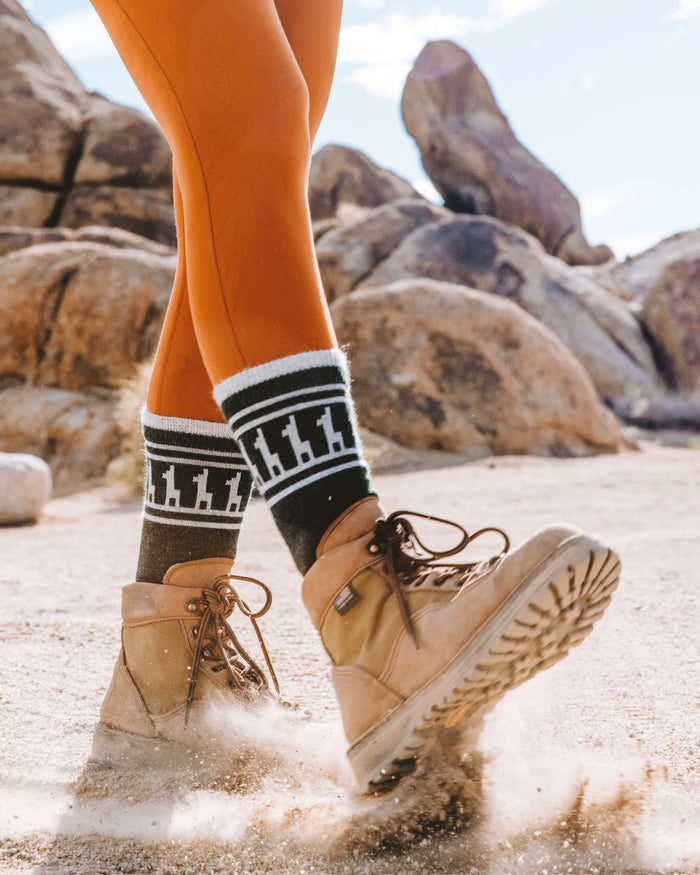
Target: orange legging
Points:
(239, 88)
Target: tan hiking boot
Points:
(419, 646)
(179, 656)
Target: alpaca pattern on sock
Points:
(295, 424)
(197, 489)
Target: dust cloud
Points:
(274, 794)
(591, 767)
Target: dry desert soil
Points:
(591, 767)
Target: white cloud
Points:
(507, 10)
(382, 80)
(80, 36)
(397, 38)
(685, 10)
(383, 52)
(384, 49)
(597, 204)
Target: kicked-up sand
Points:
(592, 767)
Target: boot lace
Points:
(410, 562)
(216, 641)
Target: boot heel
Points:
(115, 749)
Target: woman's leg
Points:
(180, 387)
(223, 82)
(312, 28)
(198, 483)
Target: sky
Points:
(604, 92)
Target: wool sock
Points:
(197, 488)
(294, 421)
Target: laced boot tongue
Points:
(199, 573)
(406, 555)
(215, 639)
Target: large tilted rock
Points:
(488, 255)
(78, 314)
(475, 161)
(68, 157)
(25, 487)
(340, 175)
(440, 366)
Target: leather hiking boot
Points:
(179, 657)
(422, 649)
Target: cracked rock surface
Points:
(68, 157)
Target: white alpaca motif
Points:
(172, 495)
(204, 497)
(272, 460)
(302, 449)
(234, 498)
(334, 439)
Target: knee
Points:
(280, 132)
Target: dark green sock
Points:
(197, 488)
(294, 422)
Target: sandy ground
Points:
(594, 766)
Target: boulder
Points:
(348, 253)
(68, 157)
(80, 315)
(25, 487)
(75, 433)
(663, 287)
(80, 310)
(42, 104)
(441, 366)
(14, 238)
(671, 315)
(640, 273)
(475, 161)
(340, 175)
(146, 212)
(26, 206)
(122, 147)
(488, 255)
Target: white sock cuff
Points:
(303, 361)
(186, 426)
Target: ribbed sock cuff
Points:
(197, 488)
(295, 424)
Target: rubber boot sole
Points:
(552, 611)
